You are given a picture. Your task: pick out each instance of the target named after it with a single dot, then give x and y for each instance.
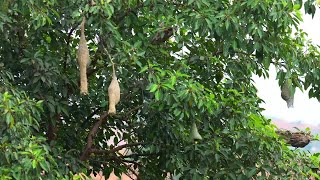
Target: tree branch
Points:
(90, 116)
(237, 52)
(132, 162)
(118, 148)
(92, 133)
(130, 169)
(126, 114)
(138, 155)
(120, 158)
(88, 149)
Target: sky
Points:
(305, 110)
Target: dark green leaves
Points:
(199, 70)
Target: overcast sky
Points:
(305, 110)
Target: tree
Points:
(178, 63)
(24, 152)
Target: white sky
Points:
(305, 110)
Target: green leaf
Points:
(64, 110)
(44, 165)
(158, 95)
(206, 3)
(51, 107)
(252, 172)
(190, 2)
(168, 85)
(145, 68)
(34, 164)
(154, 87)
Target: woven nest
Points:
(113, 93)
(286, 93)
(83, 59)
(295, 139)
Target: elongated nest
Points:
(83, 59)
(113, 93)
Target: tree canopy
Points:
(179, 64)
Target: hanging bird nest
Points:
(83, 59)
(295, 139)
(287, 93)
(113, 93)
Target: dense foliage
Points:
(178, 63)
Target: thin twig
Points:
(126, 114)
(120, 158)
(118, 148)
(106, 50)
(131, 162)
(138, 155)
(131, 170)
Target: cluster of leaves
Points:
(24, 152)
(202, 75)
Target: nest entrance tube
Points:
(83, 60)
(113, 93)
